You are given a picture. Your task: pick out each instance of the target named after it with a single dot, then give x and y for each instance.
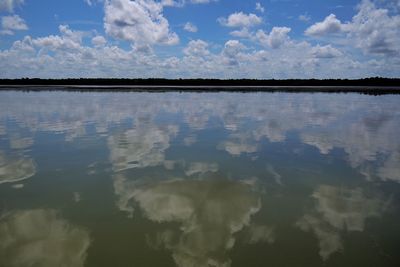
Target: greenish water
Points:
(199, 179)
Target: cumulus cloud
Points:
(9, 24)
(99, 40)
(240, 20)
(74, 53)
(190, 27)
(196, 48)
(233, 47)
(140, 22)
(9, 5)
(372, 29)
(275, 39)
(329, 25)
(232, 52)
(242, 33)
(326, 51)
(69, 39)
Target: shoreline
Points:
(376, 90)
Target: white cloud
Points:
(275, 39)
(232, 47)
(329, 25)
(140, 22)
(74, 54)
(9, 5)
(240, 19)
(196, 48)
(373, 30)
(99, 40)
(259, 7)
(13, 23)
(68, 40)
(190, 27)
(231, 54)
(326, 51)
(242, 33)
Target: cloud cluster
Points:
(326, 51)
(140, 22)
(276, 38)
(372, 29)
(9, 24)
(252, 52)
(240, 20)
(330, 25)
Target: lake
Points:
(199, 179)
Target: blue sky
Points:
(200, 38)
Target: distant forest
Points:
(375, 85)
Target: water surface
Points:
(199, 179)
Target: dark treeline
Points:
(375, 81)
(380, 85)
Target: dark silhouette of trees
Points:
(373, 85)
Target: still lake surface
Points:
(199, 179)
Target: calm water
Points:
(199, 179)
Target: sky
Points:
(260, 39)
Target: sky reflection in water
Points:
(194, 179)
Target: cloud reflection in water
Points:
(41, 238)
(209, 212)
(15, 168)
(338, 209)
